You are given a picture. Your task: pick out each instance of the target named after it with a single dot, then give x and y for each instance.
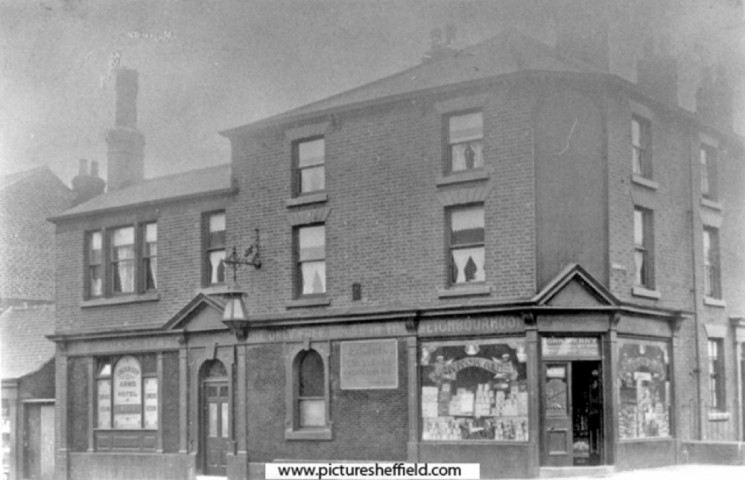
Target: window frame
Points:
(298, 263)
(149, 374)
(146, 258)
(448, 144)
(717, 379)
(644, 148)
(297, 169)
(107, 262)
(646, 248)
(450, 246)
(712, 262)
(293, 355)
(208, 248)
(708, 170)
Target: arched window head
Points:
(311, 390)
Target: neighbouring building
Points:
(504, 255)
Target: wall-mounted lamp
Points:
(235, 315)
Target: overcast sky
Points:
(210, 65)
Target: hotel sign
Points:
(369, 365)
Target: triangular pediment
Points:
(574, 287)
(202, 313)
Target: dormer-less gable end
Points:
(203, 313)
(574, 287)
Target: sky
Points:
(210, 65)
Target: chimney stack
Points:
(126, 143)
(86, 186)
(657, 72)
(441, 48)
(714, 98)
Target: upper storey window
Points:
(641, 147)
(643, 248)
(311, 260)
(712, 272)
(465, 141)
(466, 241)
(121, 260)
(708, 163)
(215, 248)
(310, 165)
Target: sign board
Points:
(471, 326)
(151, 403)
(369, 365)
(571, 347)
(127, 393)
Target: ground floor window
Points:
(127, 393)
(474, 390)
(644, 389)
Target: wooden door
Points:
(32, 442)
(557, 442)
(216, 426)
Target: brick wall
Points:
(171, 403)
(367, 424)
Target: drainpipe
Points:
(694, 259)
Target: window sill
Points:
(216, 289)
(310, 434)
(714, 205)
(464, 291)
(715, 302)
(307, 199)
(718, 416)
(462, 177)
(645, 182)
(645, 292)
(315, 301)
(105, 302)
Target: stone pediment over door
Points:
(574, 288)
(203, 313)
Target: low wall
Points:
(722, 453)
(131, 466)
(645, 453)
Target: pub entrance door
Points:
(215, 418)
(572, 413)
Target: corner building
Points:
(506, 256)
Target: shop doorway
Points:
(215, 418)
(38, 442)
(572, 414)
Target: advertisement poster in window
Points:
(104, 404)
(127, 393)
(151, 403)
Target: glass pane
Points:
(311, 376)
(104, 403)
(123, 236)
(556, 396)
(151, 403)
(640, 267)
(217, 222)
(312, 413)
(312, 243)
(151, 273)
(212, 429)
(636, 133)
(96, 280)
(216, 240)
(637, 161)
(217, 267)
(225, 420)
(95, 249)
(312, 179)
(466, 127)
(127, 381)
(467, 226)
(313, 277)
(465, 156)
(638, 228)
(311, 153)
(124, 279)
(95, 241)
(151, 232)
(468, 265)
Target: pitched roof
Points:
(508, 52)
(187, 184)
(24, 348)
(15, 178)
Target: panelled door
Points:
(38, 443)
(215, 421)
(557, 415)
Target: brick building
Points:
(503, 255)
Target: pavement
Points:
(677, 472)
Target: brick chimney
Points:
(441, 48)
(714, 98)
(657, 72)
(126, 143)
(87, 185)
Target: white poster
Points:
(151, 403)
(127, 393)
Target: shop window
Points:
(708, 166)
(716, 375)
(712, 273)
(310, 254)
(310, 170)
(643, 248)
(474, 390)
(641, 143)
(214, 247)
(129, 265)
(465, 135)
(127, 393)
(466, 241)
(644, 389)
(308, 414)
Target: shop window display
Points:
(644, 389)
(474, 390)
